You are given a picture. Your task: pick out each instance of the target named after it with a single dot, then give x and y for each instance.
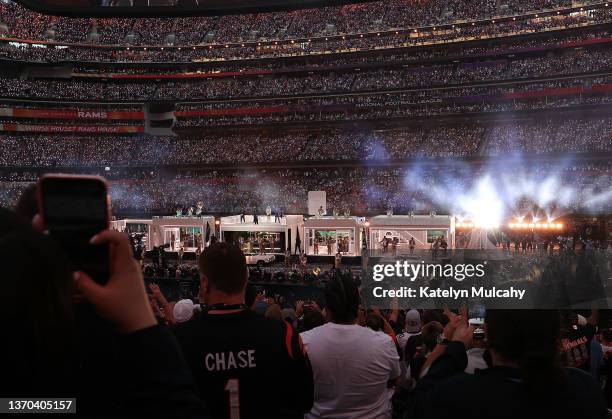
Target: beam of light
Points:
(482, 204)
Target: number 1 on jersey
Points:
(233, 387)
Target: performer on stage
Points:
(436, 247)
(255, 218)
(242, 220)
(394, 244)
(385, 244)
(321, 212)
(199, 209)
(268, 213)
(411, 245)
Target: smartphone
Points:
(74, 209)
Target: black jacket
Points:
(157, 381)
(498, 392)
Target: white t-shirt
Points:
(475, 357)
(351, 367)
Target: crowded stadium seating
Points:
(399, 81)
(483, 128)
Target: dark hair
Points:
(430, 333)
(531, 338)
(224, 265)
(10, 222)
(374, 322)
(36, 310)
(27, 205)
(433, 316)
(342, 299)
(310, 319)
(250, 295)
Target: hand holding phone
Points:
(123, 300)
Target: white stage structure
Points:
(328, 235)
(267, 236)
(424, 228)
(185, 232)
(135, 226)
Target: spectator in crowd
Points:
(240, 359)
(309, 316)
(606, 367)
(576, 337)
(47, 353)
(430, 335)
(353, 366)
(477, 355)
(526, 377)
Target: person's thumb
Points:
(89, 288)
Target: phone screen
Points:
(74, 209)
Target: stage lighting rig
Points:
(522, 225)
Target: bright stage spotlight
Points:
(511, 225)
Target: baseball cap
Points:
(413, 321)
(183, 310)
